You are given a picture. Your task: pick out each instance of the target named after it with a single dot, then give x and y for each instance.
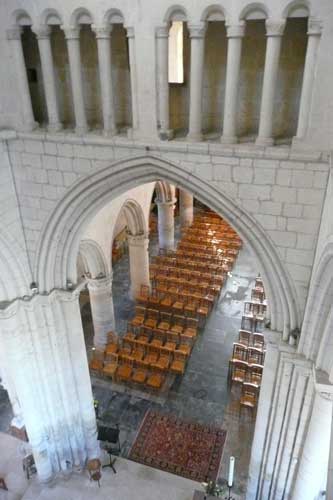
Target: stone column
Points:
(46, 59)
(314, 33)
(185, 208)
(166, 224)
(162, 48)
(43, 340)
(139, 262)
(235, 35)
(312, 471)
(134, 90)
(73, 46)
(14, 38)
(102, 312)
(103, 37)
(197, 35)
(274, 32)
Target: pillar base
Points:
(166, 135)
(229, 139)
(110, 132)
(264, 141)
(194, 137)
(81, 130)
(54, 127)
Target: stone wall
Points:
(283, 191)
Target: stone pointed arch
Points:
(57, 249)
(164, 191)
(134, 216)
(319, 304)
(93, 258)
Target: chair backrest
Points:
(98, 354)
(258, 339)
(244, 337)
(255, 355)
(250, 390)
(140, 311)
(240, 352)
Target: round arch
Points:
(81, 15)
(214, 12)
(113, 16)
(297, 8)
(175, 13)
(134, 217)
(20, 18)
(59, 242)
(93, 258)
(255, 10)
(164, 191)
(50, 17)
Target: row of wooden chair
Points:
(163, 321)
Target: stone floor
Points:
(202, 393)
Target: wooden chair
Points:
(258, 340)
(158, 338)
(191, 328)
(143, 295)
(239, 371)
(110, 365)
(239, 352)
(151, 318)
(145, 334)
(163, 361)
(248, 398)
(125, 368)
(139, 317)
(165, 321)
(178, 364)
(245, 337)
(94, 469)
(178, 324)
(255, 355)
(155, 380)
(254, 374)
(248, 323)
(152, 355)
(140, 373)
(97, 361)
(172, 341)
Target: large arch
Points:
(59, 242)
(314, 341)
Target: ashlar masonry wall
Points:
(283, 191)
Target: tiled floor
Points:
(202, 393)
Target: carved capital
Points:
(71, 33)
(275, 27)
(236, 30)
(197, 30)
(42, 32)
(138, 240)
(315, 27)
(102, 31)
(130, 32)
(100, 285)
(162, 32)
(14, 33)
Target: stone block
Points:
(297, 256)
(242, 174)
(16, 145)
(31, 188)
(320, 179)
(292, 210)
(246, 162)
(38, 175)
(270, 208)
(197, 158)
(225, 160)
(312, 211)
(65, 150)
(204, 171)
(82, 166)
(251, 206)
(249, 191)
(267, 221)
(35, 147)
(283, 177)
(292, 165)
(305, 242)
(266, 163)
(299, 272)
(264, 175)
(50, 148)
(281, 223)
(282, 194)
(65, 164)
(283, 238)
(103, 153)
(47, 204)
(310, 196)
(229, 188)
(83, 151)
(55, 178)
(70, 178)
(302, 179)
(50, 192)
(222, 173)
(31, 160)
(307, 226)
(49, 162)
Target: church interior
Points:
(166, 250)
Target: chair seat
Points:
(177, 367)
(162, 363)
(96, 365)
(166, 302)
(248, 401)
(151, 323)
(176, 329)
(151, 358)
(178, 305)
(110, 369)
(190, 332)
(170, 346)
(184, 349)
(155, 381)
(164, 325)
(156, 343)
(137, 321)
(139, 376)
(124, 372)
(137, 355)
(111, 348)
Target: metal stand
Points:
(229, 497)
(112, 462)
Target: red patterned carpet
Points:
(184, 448)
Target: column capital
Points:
(137, 239)
(71, 32)
(275, 27)
(315, 27)
(102, 31)
(42, 32)
(197, 30)
(14, 33)
(236, 30)
(165, 202)
(162, 32)
(99, 285)
(130, 32)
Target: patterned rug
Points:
(184, 448)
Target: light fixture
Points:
(34, 287)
